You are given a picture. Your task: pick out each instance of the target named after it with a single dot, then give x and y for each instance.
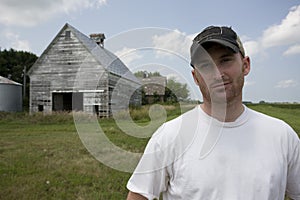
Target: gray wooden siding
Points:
(68, 67)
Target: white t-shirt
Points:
(197, 157)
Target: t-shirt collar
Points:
(238, 122)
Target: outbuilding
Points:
(76, 72)
(10, 95)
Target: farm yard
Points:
(84, 85)
(42, 156)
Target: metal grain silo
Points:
(10, 95)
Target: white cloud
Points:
(286, 83)
(292, 50)
(175, 77)
(174, 42)
(286, 33)
(282, 34)
(15, 42)
(32, 12)
(128, 55)
(251, 47)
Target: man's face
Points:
(220, 75)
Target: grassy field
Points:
(42, 157)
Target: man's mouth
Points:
(220, 84)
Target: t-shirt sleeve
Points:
(150, 176)
(293, 176)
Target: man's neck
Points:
(227, 112)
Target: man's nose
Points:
(218, 72)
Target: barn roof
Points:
(154, 85)
(104, 57)
(8, 81)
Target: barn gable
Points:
(74, 68)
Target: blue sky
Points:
(156, 35)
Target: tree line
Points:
(13, 62)
(14, 65)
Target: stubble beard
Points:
(222, 95)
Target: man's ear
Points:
(246, 65)
(194, 73)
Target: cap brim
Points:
(222, 42)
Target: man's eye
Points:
(224, 60)
(206, 65)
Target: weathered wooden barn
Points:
(76, 72)
(154, 88)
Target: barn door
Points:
(67, 101)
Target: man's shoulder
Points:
(270, 122)
(185, 118)
(176, 126)
(260, 116)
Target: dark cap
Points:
(218, 34)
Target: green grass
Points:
(42, 157)
(290, 113)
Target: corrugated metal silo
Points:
(10, 95)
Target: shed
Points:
(10, 95)
(76, 72)
(154, 88)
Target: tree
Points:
(170, 97)
(176, 89)
(142, 74)
(139, 74)
(12, 64)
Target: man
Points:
(220, 149)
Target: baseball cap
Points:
(223, 35)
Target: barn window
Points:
(40, 108)
(68, 35)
